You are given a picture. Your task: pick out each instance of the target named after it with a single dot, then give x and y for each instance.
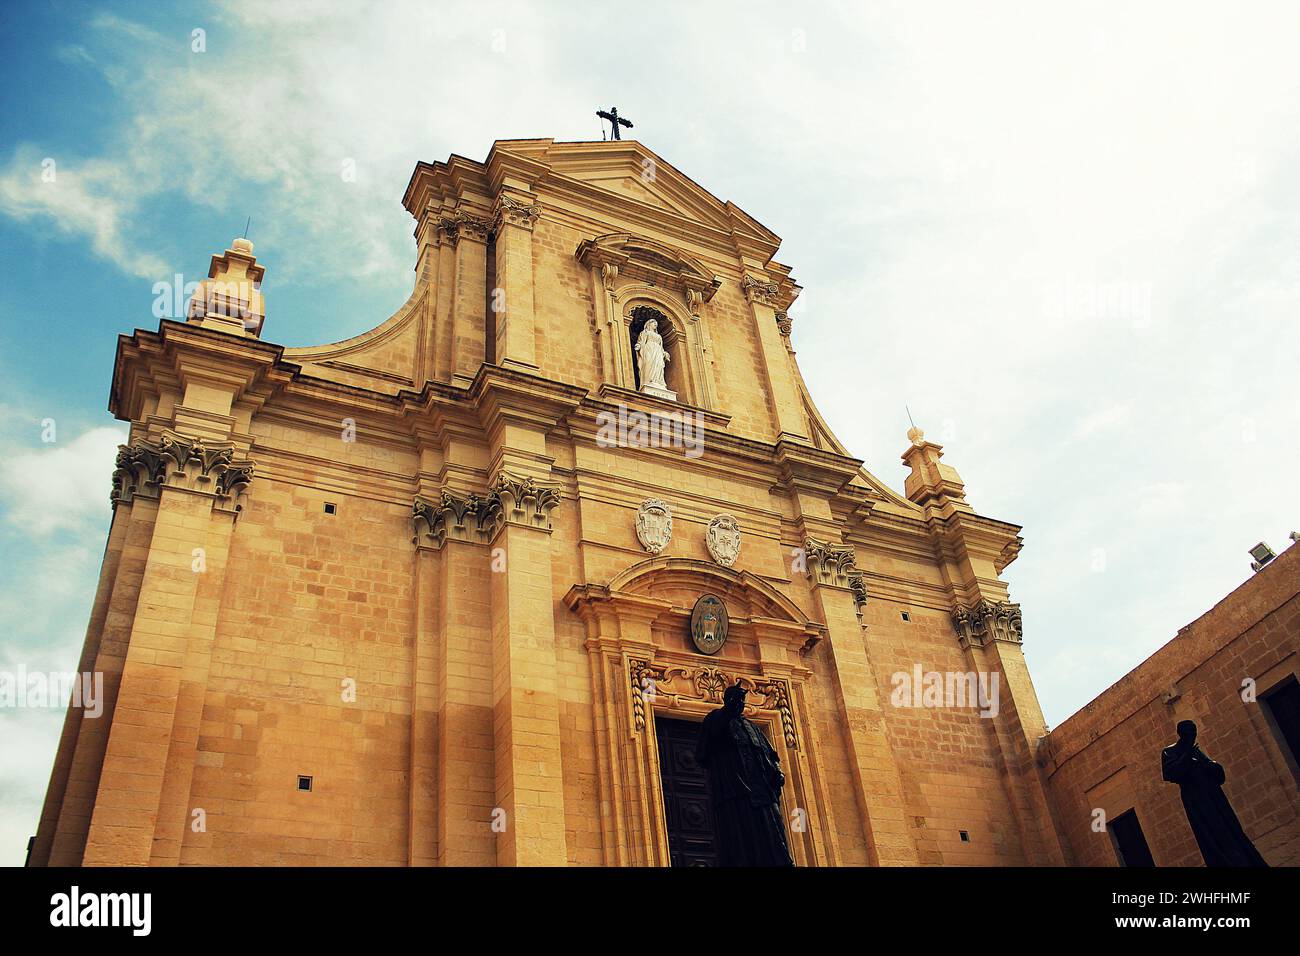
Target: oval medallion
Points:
(709, 624)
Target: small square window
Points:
(965, 837)
(304, 783)
(907, 617)
(331, 508)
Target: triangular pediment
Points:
(632, 172)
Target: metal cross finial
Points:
(614, 120)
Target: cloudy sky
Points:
(1064, 235)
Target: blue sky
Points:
(1065, 238)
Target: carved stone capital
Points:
(515, 212)
(472, 227)
(784, 323)
(522, 501)
(145, 467)
(835, 565)
(759, 291)
(988, 621)
(448, 231)
(455, 516)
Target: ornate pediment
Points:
(645, 260)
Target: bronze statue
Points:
(1217, 830)
(745, 781)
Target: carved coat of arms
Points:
(723, 540)
(709, 624)
(654, 525)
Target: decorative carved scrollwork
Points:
(475, 227)
(784, 323)
(145, 467)
(707, 683)
(516, 212)
(471, 517)
(831, 564)
(456, 516)
(760, 291)
(639, 672)
(524, 501)
(448, 230)
(988, 621)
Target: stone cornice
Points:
(149, 363)
(503, 395)
(807, 468)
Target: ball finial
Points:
(916, 436)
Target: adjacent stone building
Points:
(1234, 672)
(424, 596)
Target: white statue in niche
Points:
(652, 361)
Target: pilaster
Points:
(513, 219)
(141, 800)
(763, 297)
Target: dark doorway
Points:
(1130, 841)
(687, 806)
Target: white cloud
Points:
(60, 486)
(91, 198)
(1030, 223)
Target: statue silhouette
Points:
(1217, 830)
(745, 781)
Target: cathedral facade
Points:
(459, 590)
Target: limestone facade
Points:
(407, 565)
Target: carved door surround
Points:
(642, 665)
(628, 272)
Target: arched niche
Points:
(629, 272)
(688, 372)
(677, 370)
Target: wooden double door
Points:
(688, 808)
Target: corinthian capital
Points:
(474, 227)
(987, 621)
(448, 230)
(832, 564)
(759, 291)
(522, 501)
(452, 515)
(515, 212)
(145, 467)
